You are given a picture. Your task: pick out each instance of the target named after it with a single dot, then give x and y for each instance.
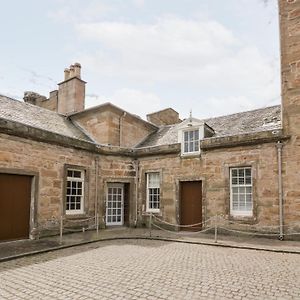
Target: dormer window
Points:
(190, 132)
(191, 141)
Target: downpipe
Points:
(136, 167)
(96, 186)
(279, 147)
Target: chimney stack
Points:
(71, 92)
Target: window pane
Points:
(186, 136)
(248, 180)
(191, 147)
(77, 174)
(248, 172)
(186, 147)
(196, 134)
(241, 172)
(234, 172)
(241, 180)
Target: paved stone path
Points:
(141, 269)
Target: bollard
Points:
(216, 230)
(61, 230)
(150, 225)
(97, 223)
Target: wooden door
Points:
(191, 204)
(15, 197)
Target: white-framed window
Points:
(241, 201)
(190, 141)
(75, 192)
(153, 192)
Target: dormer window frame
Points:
(190, 141)
(189, 125)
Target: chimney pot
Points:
(77, 70)
(72, 71)
(67, 73)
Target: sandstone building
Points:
(59, 159)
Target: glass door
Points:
(115, 204)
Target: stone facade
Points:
(111, 146)
(167, 116)
(110, 125)
(290, 68)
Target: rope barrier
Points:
(79, 220)
(218, 220)
(258, 233)
(184, 226)
(231, 222)
(180, 233)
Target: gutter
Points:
(246, 139)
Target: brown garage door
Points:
(15, 197)
(191, 204)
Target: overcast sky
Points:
(212, 56)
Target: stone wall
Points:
(290, 68)
(166, 116)
(212, 168)
(110, 126)
(47, 164)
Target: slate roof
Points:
(34, 116)
(258, 120)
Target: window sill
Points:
(76, 215)
(250, 219)
(190, 155)
(156, 212)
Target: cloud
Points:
(199, 55)
(76, 12)
(169, 49)
(131, 100)
(138, 3)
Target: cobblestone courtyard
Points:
(141, 269)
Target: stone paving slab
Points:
(15, 249)
(151, 269)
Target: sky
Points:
(213, 57)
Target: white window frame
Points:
(239, 212)
(194, 129)
(76, 180)
(148, 196)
